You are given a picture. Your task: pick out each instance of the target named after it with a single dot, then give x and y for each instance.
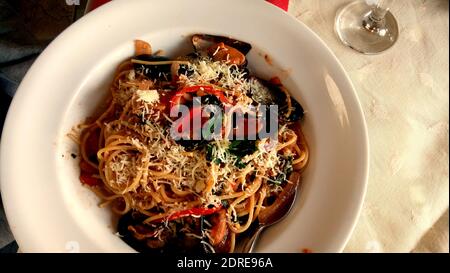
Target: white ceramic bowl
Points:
(49, 210)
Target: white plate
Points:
(49, 210)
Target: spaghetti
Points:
(188, 195)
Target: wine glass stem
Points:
(375, 20)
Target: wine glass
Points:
(367, 26)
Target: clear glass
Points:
(367, 26)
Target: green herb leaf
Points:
(286, 170)
(241, 148)
(209, 154)
(237, 149)
(240, 164)
(225, 203)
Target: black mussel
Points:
(184, 69)
(267, 93)
(154, 71)
(261, 92)
(190, 243)
(287, 112)
(282, 203)
(205, 249)
(221, 48)
(202, 42)
(191, 145)
(161, 68)
(181, 67)
(246, 73)
(126, 220)
(296, 113)
(166, 242)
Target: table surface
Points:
(404, 95)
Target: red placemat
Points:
(93, 4)
(283, 4)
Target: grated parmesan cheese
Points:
(190, 171)
(148, 96)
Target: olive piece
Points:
(202, 42)
(210, 100)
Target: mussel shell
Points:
(202, 41)
(176, 244)
(155, 72)
(126, 220)
(269, 94)
(192, 145)
(297, 112)
(183, 69)
(262, 93)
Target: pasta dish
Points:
(191, 152)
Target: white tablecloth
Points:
(405, 97)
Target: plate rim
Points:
(8, 128)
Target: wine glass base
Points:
(349, 26)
